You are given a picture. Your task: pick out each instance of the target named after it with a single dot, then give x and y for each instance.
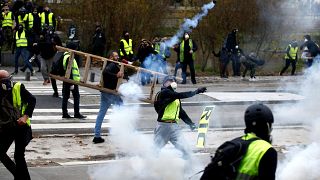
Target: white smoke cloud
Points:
(142, 160)
(303, 162)
(189, 23)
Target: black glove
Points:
(201, 90)
(214, 2)
(193, 127)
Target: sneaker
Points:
(55, 94)
(80, 116)
(66, 116)
(97, 140)
(44, 82)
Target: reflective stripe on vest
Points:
(17, 100)
(292, 51)
(127, 47)
(172, 111)
(43, 18)
(249, 166)
(7, 20)
(75, 70)
(29, 18)
(22, 41)
(160, 50)
(182, 50)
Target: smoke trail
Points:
(189, 23)
(303, 163)
(142, 160)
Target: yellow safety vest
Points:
(17, 103)
(127, 47)
(182, 50)
(249, 165)
(43, 19)
(7, 19)
(29, 18)
(75, 70)
(22, 41)
(293, 52)
(172, 111)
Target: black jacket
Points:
(110, 78)
(168, 95)
(6, 103)
(312, 48)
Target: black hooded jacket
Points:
(168, 95)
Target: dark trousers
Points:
(54, 85)
(192, 71)
(293, 65)
(7, 31)
(224, 70)
(309, 62)
(21, 136)
(66, 88)
(236, 66)
(252, 70)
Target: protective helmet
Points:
(258, 119)
(308, 37)
(252, 55)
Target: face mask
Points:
(6, 84)
(186, 36)
(174, 86)
(305, 40)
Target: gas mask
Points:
(174, 86)
(6, 83)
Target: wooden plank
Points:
(86, 70)
(91, 86)
(152, 86)
(120, 79)
(69, 66)
(103, 58)
(103, 67)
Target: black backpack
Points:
(225, 163)
(57, 67)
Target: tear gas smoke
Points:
(189, 23)
(143, 161)
(303, 163)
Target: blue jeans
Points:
(23, 51)
(106, 100)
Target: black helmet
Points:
(308, 37)
(258, 119)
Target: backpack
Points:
(57, 67)
(224, 165)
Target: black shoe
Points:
(39, 70)
(22, 69)
(80, 116)
(183, 82)
(97, 140)
(55, 94)
(67, 116)
(194, 82)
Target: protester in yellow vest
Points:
(48, 18)
(125, 49)
(7, 27)
(168, 106)
(258, 159)
(67, 87)
(16, 109)
(187, 49)
(291, 57)
(21, 45)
